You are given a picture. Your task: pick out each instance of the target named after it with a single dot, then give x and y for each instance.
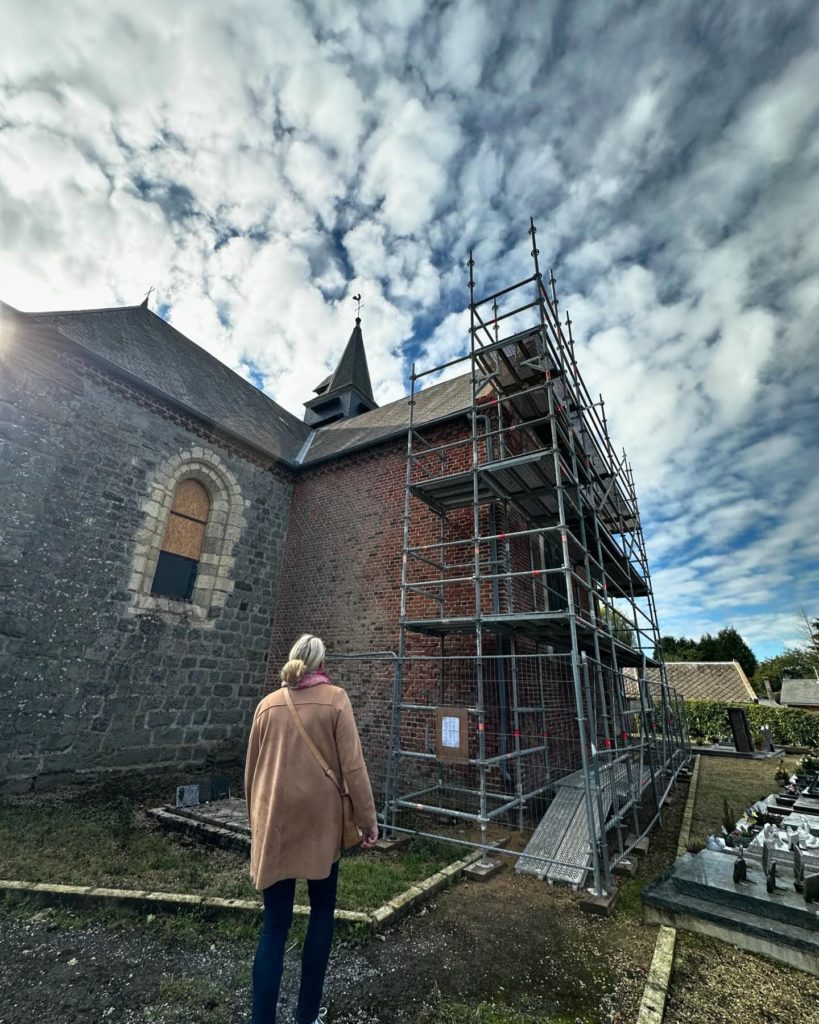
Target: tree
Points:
(621, 627)
(727, 645)
(809, 633)
(681, 648)
(792, 663)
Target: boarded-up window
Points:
(182, 546)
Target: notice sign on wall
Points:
(452, 735)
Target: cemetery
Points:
(757, 885)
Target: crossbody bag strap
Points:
(314, 750)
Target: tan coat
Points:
(293, 807)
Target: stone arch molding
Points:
(225, 524)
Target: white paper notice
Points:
(451, 732)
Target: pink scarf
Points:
(312, 679)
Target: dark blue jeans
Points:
(269, 961)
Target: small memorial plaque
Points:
(205, 791)
(187, 796)
(220, 788)
(740, 870)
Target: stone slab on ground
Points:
(482, 871)
(602, 904)
(698, 893)
(230, 813)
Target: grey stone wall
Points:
(90, 683)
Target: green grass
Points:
(100, 836)
(189, 998)
(739, 782)
(662, 852)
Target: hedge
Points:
(789, 726)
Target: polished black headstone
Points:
(770, 878)
(811, 889)
(738, 720)
(740, 870)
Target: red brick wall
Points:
(340, 580)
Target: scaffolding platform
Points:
(551, 628)
(528, 481)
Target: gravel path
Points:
(55, 968)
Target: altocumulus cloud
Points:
(260, 162)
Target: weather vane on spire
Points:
(357, 300)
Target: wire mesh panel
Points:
(528, 624)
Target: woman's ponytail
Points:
(293, 671)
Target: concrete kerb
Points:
(145, 901)
(655, 993)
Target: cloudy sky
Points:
(257, 163)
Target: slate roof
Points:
(352, 370)
(800, 691)
(135, 340)
(433, 404)
(722, 681)
(145, 347)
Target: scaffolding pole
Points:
(528, 626)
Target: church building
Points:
(168, 530)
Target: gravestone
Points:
(770, 878)
(187, 796)
(740, 870)
(203, 792)
(798, 869)
(743, 741)
(220, 788)
(811, 889)
(767, 738)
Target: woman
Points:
(296, 819)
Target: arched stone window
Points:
(181, 549)
(184, 552)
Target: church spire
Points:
(347, 392)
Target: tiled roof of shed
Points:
(705, 680)
(135, 340)
(432, 404)
(800, 691)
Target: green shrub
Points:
(789, 726)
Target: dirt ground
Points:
(510, 951)
(511, 941)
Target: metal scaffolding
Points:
(528, 621)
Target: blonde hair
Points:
(306, 655)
